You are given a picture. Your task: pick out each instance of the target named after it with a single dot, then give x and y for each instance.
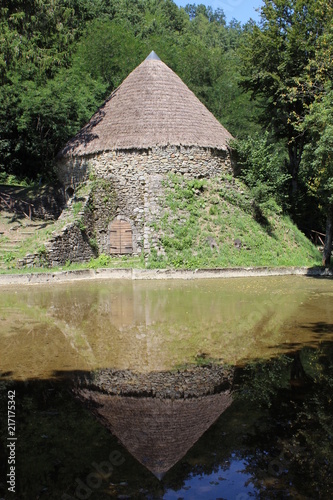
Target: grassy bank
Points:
(216, 223)
(212, 223)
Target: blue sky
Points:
(241, 10)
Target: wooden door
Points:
(121, 237)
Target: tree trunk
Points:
(328, 237)
(295, 150)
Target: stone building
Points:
(150, 126)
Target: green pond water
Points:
(205, 389)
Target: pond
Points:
(212, 389)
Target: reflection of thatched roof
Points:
(152, 107)
(158, 432)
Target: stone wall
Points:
(134, 184)
(48, 203)
(72, 244)
(101, 209)
(135, 165)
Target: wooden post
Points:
(328, 237)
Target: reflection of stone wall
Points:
(193, 382)
(137, 178)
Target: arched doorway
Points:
(121, 240)
(69, 193)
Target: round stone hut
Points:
(150, 126)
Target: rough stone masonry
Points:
(137, 177)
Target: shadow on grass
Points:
(259, 217)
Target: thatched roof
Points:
(152, 107)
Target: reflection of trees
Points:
(280, 425)
(148, 326)
(293, 443)
(281, 432)
(316, 437)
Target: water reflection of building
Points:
(149, 326)
(158, 417)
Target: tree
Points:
(49, 115)
(37, 42)
(319, 155)
(318, 122)
(262, 168)
(109, 50)
(276, 58)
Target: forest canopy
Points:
(270, 84)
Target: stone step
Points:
(15, 242)
(8, 250)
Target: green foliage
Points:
(263, 379)
(223, 211)
(93, 243)
(125, 261)
(228, 101)
(42, 102)
(101, 261)
(319, 162)
(262, 168)
(8, 257)
(108, 52)
(77, 208)
(279, 60)
(318, 153)
(13, 180)
(81, 226)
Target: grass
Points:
(195, 213)
(103, 261)
(222, 210)
(35, 243)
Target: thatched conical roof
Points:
(152, 107)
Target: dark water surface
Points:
(212, 389)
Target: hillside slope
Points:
(202, 224)
(216, 223)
